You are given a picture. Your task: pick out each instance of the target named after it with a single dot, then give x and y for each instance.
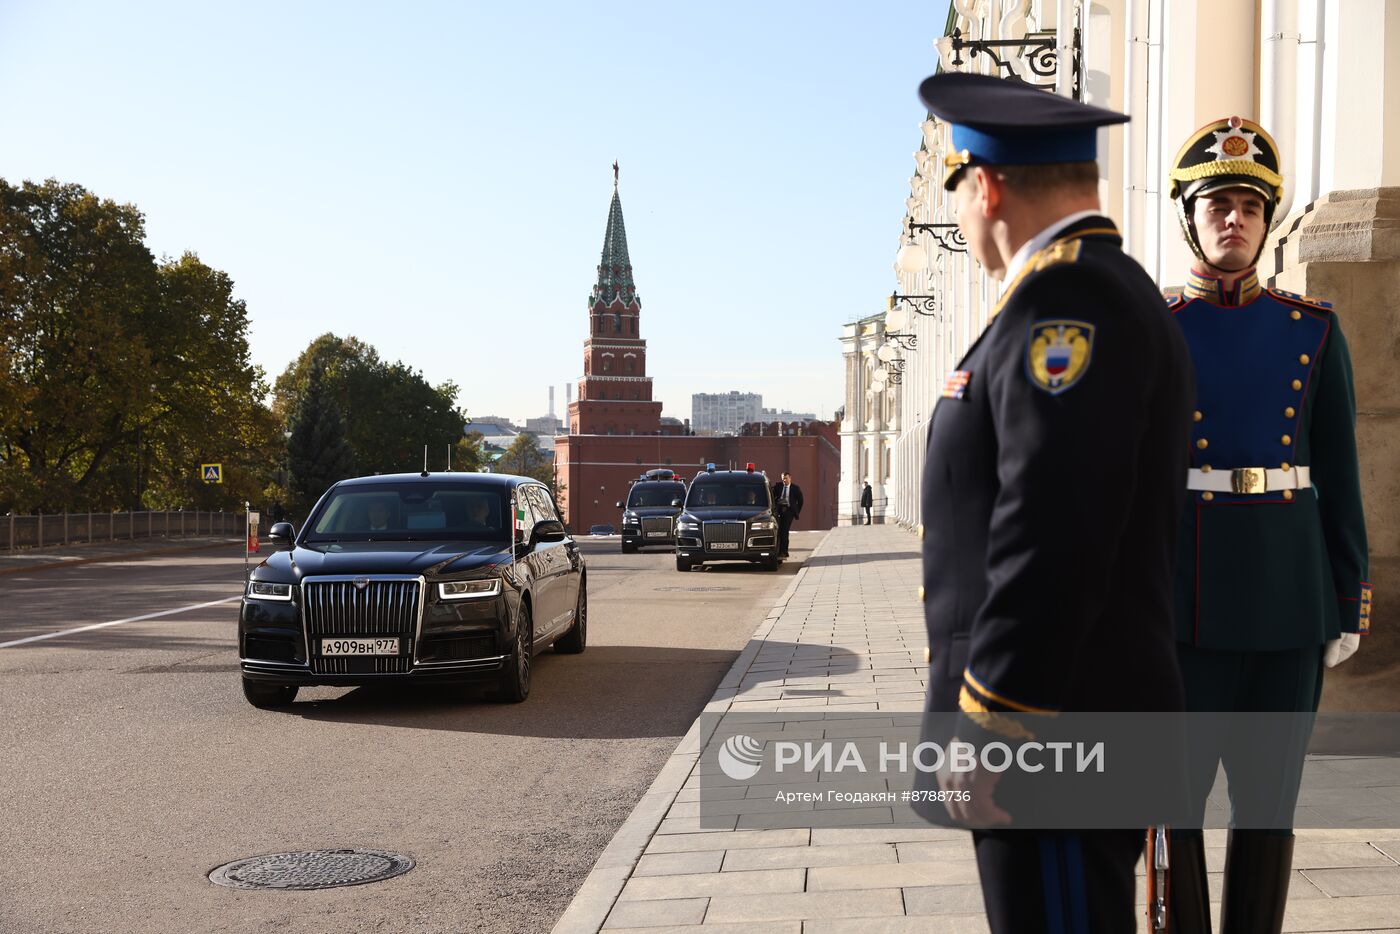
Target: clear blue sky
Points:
(434, 178)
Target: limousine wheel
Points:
(269, 696)
(515, 678)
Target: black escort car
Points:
(649, 514)
(728, 516)
(417, 577)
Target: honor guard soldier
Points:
(1052, 486)
(1271, 577)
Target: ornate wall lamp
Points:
(1034, 57)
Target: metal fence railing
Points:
(70, 528)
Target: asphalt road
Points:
(131, 766)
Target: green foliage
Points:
(390, 410)
(119, 374)
(524, 458)
(318, 453)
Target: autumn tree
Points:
(119, 374)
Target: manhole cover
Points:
(311, 869)
(693, 589)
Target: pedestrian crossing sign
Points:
(212, 473)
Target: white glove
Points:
(1339, 650)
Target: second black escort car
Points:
(649, 515)
(431, 577)
(728, 516)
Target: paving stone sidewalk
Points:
(848, 635)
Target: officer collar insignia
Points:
(1212, 289)
(1058, 354)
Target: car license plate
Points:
(656, 535)
(725, 546)
(359, 646)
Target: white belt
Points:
(1249, 479)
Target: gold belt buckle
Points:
(1247, 480)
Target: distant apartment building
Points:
(724, 413)
(775, 415)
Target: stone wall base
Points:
(1345, 248)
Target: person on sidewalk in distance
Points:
(787, 505)
(1271, 577)
(867, 499)
(1051, 491)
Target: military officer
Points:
(1271, 577)
(1051, 489)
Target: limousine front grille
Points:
(662, 524)
(723, 533)
(361, 607)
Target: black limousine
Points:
(423, 577)
(728, 516)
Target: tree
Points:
(118, 375)
(525, 459)
(390, 410)
(318, 453)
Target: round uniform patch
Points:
(1057, 354)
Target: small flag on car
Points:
(519, 518)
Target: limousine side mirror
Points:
(619, 504)
(281, 535)
(676, 503)
(548, 530)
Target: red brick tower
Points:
(614, 395)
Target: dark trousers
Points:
(1274, 695)
(784, 525)
(1064, 881)
(867, 514)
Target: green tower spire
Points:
(615, 268)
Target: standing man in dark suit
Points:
(787, 505)
(1052, 485)
(867, 499)
(1271, 579)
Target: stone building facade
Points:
(1323, 77)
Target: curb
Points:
(589, 908)
(97, 559)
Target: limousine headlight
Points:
(468, 590)
(764, 525)
(264, 590)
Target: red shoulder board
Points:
(1304, 301)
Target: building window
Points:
(607, 364)
(617, 322)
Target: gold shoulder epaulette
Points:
(1297, 299)
(1063, 251)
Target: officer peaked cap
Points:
(997, 121)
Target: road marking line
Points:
(117, 622)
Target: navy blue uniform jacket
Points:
(1053, 490)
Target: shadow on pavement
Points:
(828, 560)
(608, 692)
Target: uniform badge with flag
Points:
(1058, 353)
